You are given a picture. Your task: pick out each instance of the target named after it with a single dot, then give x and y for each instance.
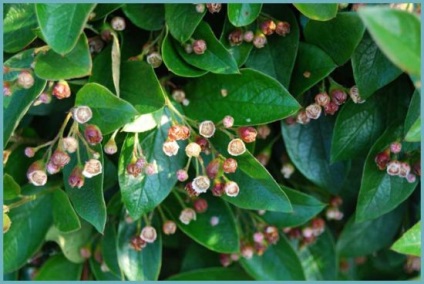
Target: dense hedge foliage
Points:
(211, 141)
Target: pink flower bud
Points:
(282, 28)
(182, 175)
(247, 251)
(248, 36)
(82, 114)
(169, 227)
(25, 80)
(69, 144)
(178, 95)
(258, 237)
(92, 168)
(405, 169)
(52, 168)
(193, 150)
(190, 191)
(214, 221)
(393, 168)
(411, 178)
(61, 90)
(60, 158)
(382, 159)
(92, 134)
(336, 201)
(268, 27)
(218, 189)
(85, 252)
(199, 46)
(29, 152)
(302, 118)
(76, 178)
(313, 111)
(154, 59)
(201, 184)
(338, 96)
(7, 91)
(200, 205)
(207, 129)
(271, 234)
(259, 40)
(170, 148)
(247, 134)
(231, 188)
(214, 7)
(307, 232)
(228, 121)
(148, 234)
(111, 147)
(331, 108)
(395, 147)
(333, 213)
(322, 99)
(187, 215)
(150, 169)
(137, 243)
(225, 260)
(229, 166)
(235, 37)
(36, 173)
(133, 169)
(203, 143)
(236, 147)
(263, 131)
(118, 23)
(178, 132)
(318, 225)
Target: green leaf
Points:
(277, 57)
(198, 257)
(338, 37)
(317, 12)
(75, 64)
(18, 24)
(243, 14)
(182, 20)
(16, 105)
(381, 193)
(239, 52)
(360, 239)
(308, 147)
(109, 111)
(100, 275)
(258, 189)
(174, 62)
(279, 262)
(210, 274)
(357, 127)
(64, 216)
(216, 57)
(143, 193)
(101, 72)
(223, 238)
(319, 259)
(397, 33)
(141, 265)
(30, 223)
(305, 207)
(58, 268)
(11, 188)
(71, 243)
(62, 24)
(312, 65)
(414, 111)
(371, 68)
(102, 10)
(410, 242)
(414, 133)
(250, 97)
(145, 95)
(149, 17)
(88, 200)
(109, 249)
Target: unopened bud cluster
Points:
(333, 211)
(147, 236)
(307, 233)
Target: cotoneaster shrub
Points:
(211, 141)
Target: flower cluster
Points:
(147, 236)
(333, 211)
(388, 160)
(308, 233)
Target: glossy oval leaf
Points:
(143, 193)
(305, 207)
(64, 216)
(18, 23)
(338, 37)
(145, 95)
(109, 249)
(251, 98)
(258, 189)
(371, 68)
(62, 24)
(277, 57)
(101, 72)
(31, 219)
(58, 268)
(182, 20)
(319, 259)
(360, 239)
(414, 112)
(410, 242)
(279, 262)
(357, 127)
(381, 193)
(211, 274)
(414, 133)
(308, 147)
(75, 64)
(243, 14)
(216, 57)
(109, 111)
(141, 265)
(99, 274)
(11, 188)
(317, 12)
(387, 27)
(149, 17)
(88, 201)
(223, 238)
(312, 65)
